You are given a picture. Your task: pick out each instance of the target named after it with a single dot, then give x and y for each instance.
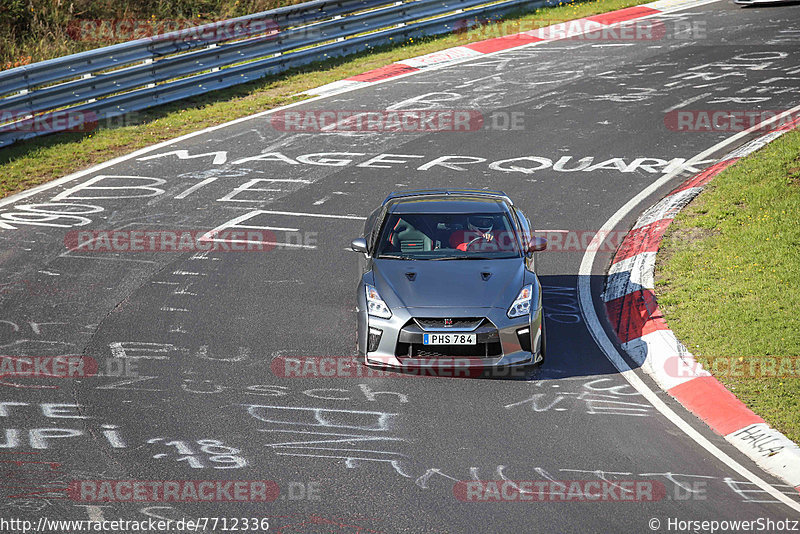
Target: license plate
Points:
(449, 339)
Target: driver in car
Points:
(478, 232)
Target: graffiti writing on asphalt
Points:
(561, 304)
(604, 396)
(52, 436)
(353, 437)
(80, 204)
(200, 453)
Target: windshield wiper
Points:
(394, 257)
(462, 258)
(470, 257)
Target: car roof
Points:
(448, 201)
(481, 193)
(451, 204)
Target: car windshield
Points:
(447, 236)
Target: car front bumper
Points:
(501, 341)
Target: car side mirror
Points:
(537, 244)
(359, 244)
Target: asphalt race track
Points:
(197, 340)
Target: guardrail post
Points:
(213, 45)
(148, 61)
(401, 24)
(338, 39)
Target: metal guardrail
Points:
(136, 75)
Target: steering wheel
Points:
(479, 238)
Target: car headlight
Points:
(375, 305)
(522, 305)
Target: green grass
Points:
(35, 30)
(33, 162)
(728, 277)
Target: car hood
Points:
(449, 283)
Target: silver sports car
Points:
(448, 279)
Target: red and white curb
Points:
(634, 314)
(554, 32)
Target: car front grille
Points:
(456, 323)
